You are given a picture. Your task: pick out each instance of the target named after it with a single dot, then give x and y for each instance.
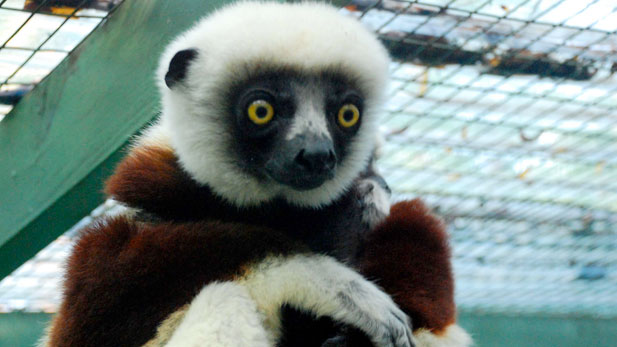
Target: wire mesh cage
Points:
(36, 35)
(501, 115)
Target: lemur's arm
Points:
(228, 313)
(125, 278)
(323, 286)
(246, 312)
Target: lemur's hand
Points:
(373, 195)
(325, 287)
(376, 314)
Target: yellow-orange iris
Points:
(260, 112)
(348, 115)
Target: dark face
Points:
(292, 128)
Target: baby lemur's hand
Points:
(373, 194)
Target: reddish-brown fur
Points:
(409, 257)
(125, 277)
(150, 178)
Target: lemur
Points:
(253, 194)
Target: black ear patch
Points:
(178, 66)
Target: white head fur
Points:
(306, 36)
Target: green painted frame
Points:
(61, 141)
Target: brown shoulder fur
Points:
(150, 178)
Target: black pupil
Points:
(348, 115)
(261, 111)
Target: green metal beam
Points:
(64, 138)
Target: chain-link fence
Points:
(501, 115)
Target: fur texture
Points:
(407, 254)
(125, 278)
(332, 290)
(222, 314)
(424, 256)
(168, 327)
(452, 336)
(152, 180)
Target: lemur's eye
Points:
(348, 115)
(260, 112)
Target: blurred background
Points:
(500, 114)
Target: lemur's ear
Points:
(178, 66)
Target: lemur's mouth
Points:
(309, 182)
(300, 179)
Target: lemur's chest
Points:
(335, 230)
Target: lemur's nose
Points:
(316, 157)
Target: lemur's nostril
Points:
(315, 159)
(302, 161)
(331, 159)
